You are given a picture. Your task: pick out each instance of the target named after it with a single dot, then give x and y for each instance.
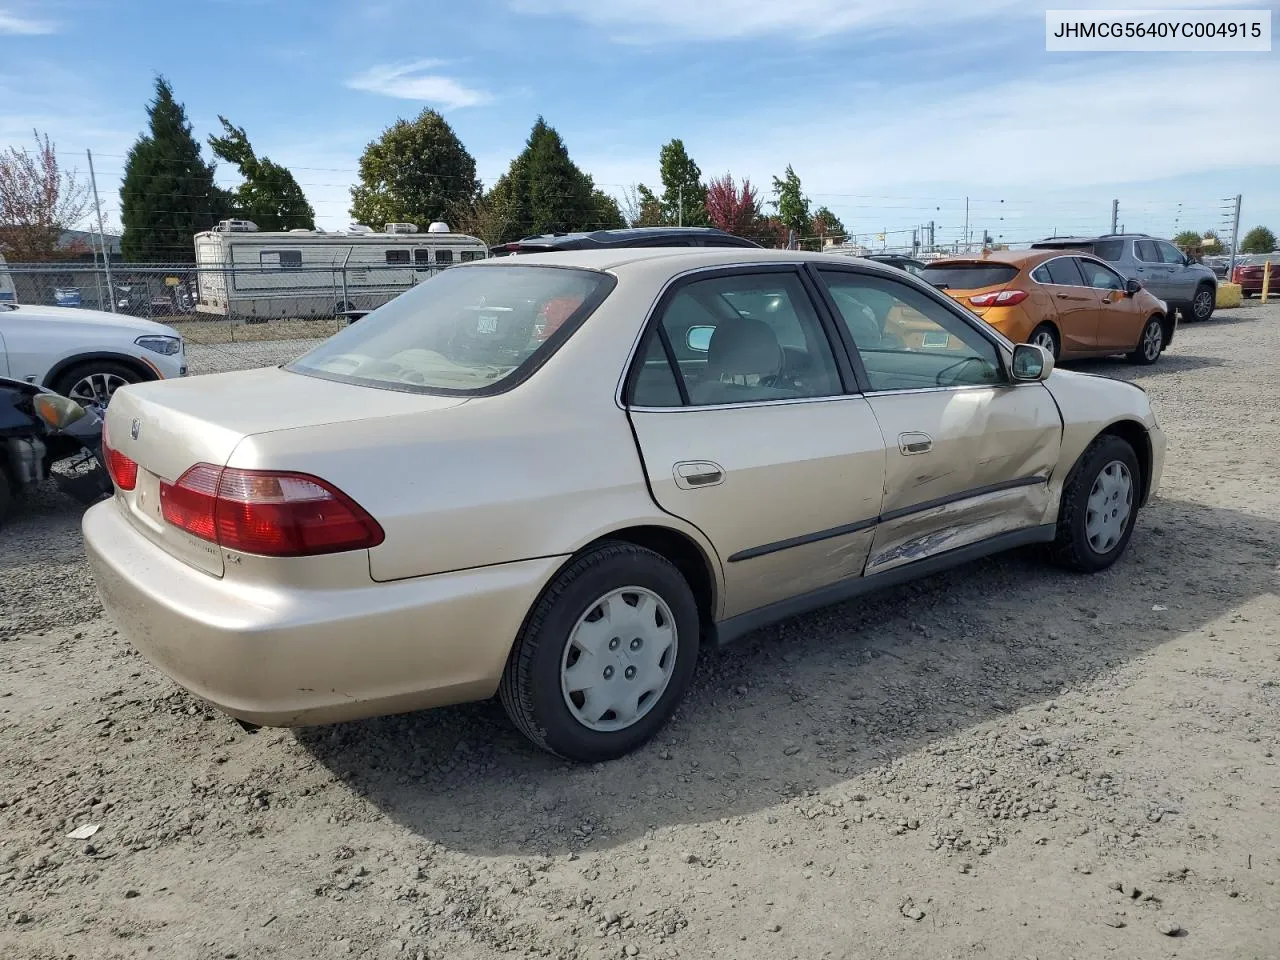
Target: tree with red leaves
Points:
(38, 201)
(731, 208)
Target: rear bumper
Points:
(289, 655)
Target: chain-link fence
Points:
(222, 304)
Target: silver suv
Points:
(1180, 281)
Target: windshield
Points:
(968, 276)
(467, 330)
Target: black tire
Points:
(6, 495)
(1047, 331)
(1071, 548)
(68, 380)
(531, 683)
(1150, 342)
(1202, 304)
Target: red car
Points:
(1249, 273)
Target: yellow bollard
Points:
(1266, 280)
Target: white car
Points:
(86, 354)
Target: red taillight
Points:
(123, 471)
(265, 512)
(1001, 298)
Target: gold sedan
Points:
(557, 476)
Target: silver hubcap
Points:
(96, 389)
(1203, 304)
(619, 659)
(1043, 339)
(1152, 340)
(1110, 502)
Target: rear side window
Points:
(1064, 272)
(397, 256)
(1146, 251)
(1111, 250)
(968, 276)
(462, 332)
(444, 256)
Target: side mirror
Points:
(698, 339)
(56, 411)
(1031, 362)
(1132, 287)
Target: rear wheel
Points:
(1099, 506)
(1047, 337)
(605, 656)
(94, 383)
(1150, 343)
(6, 495)
(1203, 303)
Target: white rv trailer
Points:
(247, 274)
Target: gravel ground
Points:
(1005, 761)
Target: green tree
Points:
(790, 202)
(826, 226)
(684, 195)
(1258, 240)
(642, 207)
(168, 194)
(1187, 238)
(416, 172)
(269, 195)
(544, 191)
(608, 214)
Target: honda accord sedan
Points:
(555, 477)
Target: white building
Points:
(244, 273)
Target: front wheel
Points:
(94, 383)
(1203, 303)
(1099, 506)
(605, 656)
(1150, 343)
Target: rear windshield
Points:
(466, 331)
(968, 276)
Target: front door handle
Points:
(913, 443)
(692, 474)
(1106, 299)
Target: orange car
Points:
(1072, 304)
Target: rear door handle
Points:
(913, 443)
(692, 474)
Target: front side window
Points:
(748, 338)
(462, 331)
(908, 341)
(1171, 254)
(1100, 277)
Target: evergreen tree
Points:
(684, 195)
(416, 172)
(269, 195)
(168, 194)
(544, 191)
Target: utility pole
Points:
(1115, 214)
(1235, 236)
(102, 239)
(966, 223)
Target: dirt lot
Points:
(1005, 761)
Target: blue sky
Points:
(891, 112)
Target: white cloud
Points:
(682, 20)
(414, 81)
(12, 23)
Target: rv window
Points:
(397, 256)
(281, 259)
(422, 258)
(468, 255)
(444, 256)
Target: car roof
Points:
(621, 237)
(1013, 258)
(681, 258)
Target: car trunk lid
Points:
(964, 279)
(168, 427)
